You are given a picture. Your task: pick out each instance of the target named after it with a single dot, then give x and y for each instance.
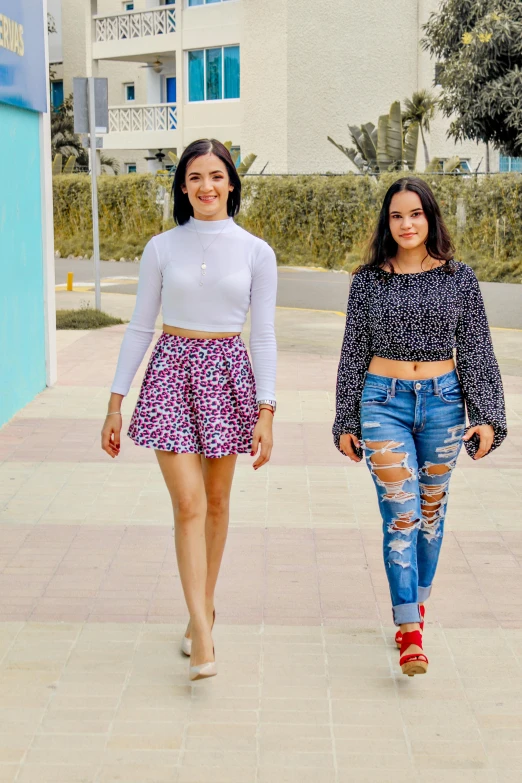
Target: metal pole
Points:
(94, 191)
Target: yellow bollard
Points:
(70, 277)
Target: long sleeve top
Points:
(205, 276)
(420, 317)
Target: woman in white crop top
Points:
(201, 402)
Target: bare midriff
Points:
(409, 371)
(192, 334)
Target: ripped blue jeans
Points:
(412, 434)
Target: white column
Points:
(46, 189)
(181, 77)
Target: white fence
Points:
(150, 117)
(136, 24)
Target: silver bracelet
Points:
(112, 413)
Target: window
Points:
(214, 74)
(130, 168)
(56, 94)
(130, 92)
(507, 163)
(128, 6)
(170, 89)
(204, 2)
(236, 151)
(438, 73)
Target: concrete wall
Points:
(264, 83)
(344, 67)
(22, 317)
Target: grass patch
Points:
(85, 318)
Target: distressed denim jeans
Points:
(412, 434)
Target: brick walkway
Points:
(93, 688)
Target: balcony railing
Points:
(149, 117)
(136, 24)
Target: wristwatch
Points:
(272, 404)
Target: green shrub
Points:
(128, 214)
(85, 318)
(308, 220)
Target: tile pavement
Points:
(92, 686)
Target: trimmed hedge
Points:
(309, 220)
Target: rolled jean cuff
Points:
(406, 613)
(423, 593)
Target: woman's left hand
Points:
(262, 436)
(486, 434)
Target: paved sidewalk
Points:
(93, 688)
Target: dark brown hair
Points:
(382, 245)
(182, 208)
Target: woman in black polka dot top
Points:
(402, 398)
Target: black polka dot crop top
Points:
(420, 317)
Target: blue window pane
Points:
(129, 6)
(171, 89)
(170, 2)
(131, 168)
(214, 74)
(232, 72)
(212, 1)
(196, 2)
(506, 163)
(56, 94)
(130, 92)
(196, 76)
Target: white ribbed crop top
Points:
(241, 273)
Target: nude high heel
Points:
(203, 671)
(186, 644)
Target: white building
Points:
(275, 77)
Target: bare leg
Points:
(218, 475)
(184, 478)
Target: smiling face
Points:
(207, 186)
(408, 222)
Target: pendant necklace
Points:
(204, 249)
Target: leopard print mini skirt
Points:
(198, 397)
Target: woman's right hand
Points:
(110, 434)
(347, 444)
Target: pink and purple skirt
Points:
(198, 397)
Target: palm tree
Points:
(63, 138)
(421, 109)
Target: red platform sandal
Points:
(414, 663)
(398, 635)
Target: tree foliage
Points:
(420, 109)
(480, 45)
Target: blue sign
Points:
(23, 77)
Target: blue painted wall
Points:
(22, 342)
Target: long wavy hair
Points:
(182, 208)
(383, 247)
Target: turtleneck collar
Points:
(209, 226)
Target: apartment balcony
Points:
(135, 35)
(149, 126)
